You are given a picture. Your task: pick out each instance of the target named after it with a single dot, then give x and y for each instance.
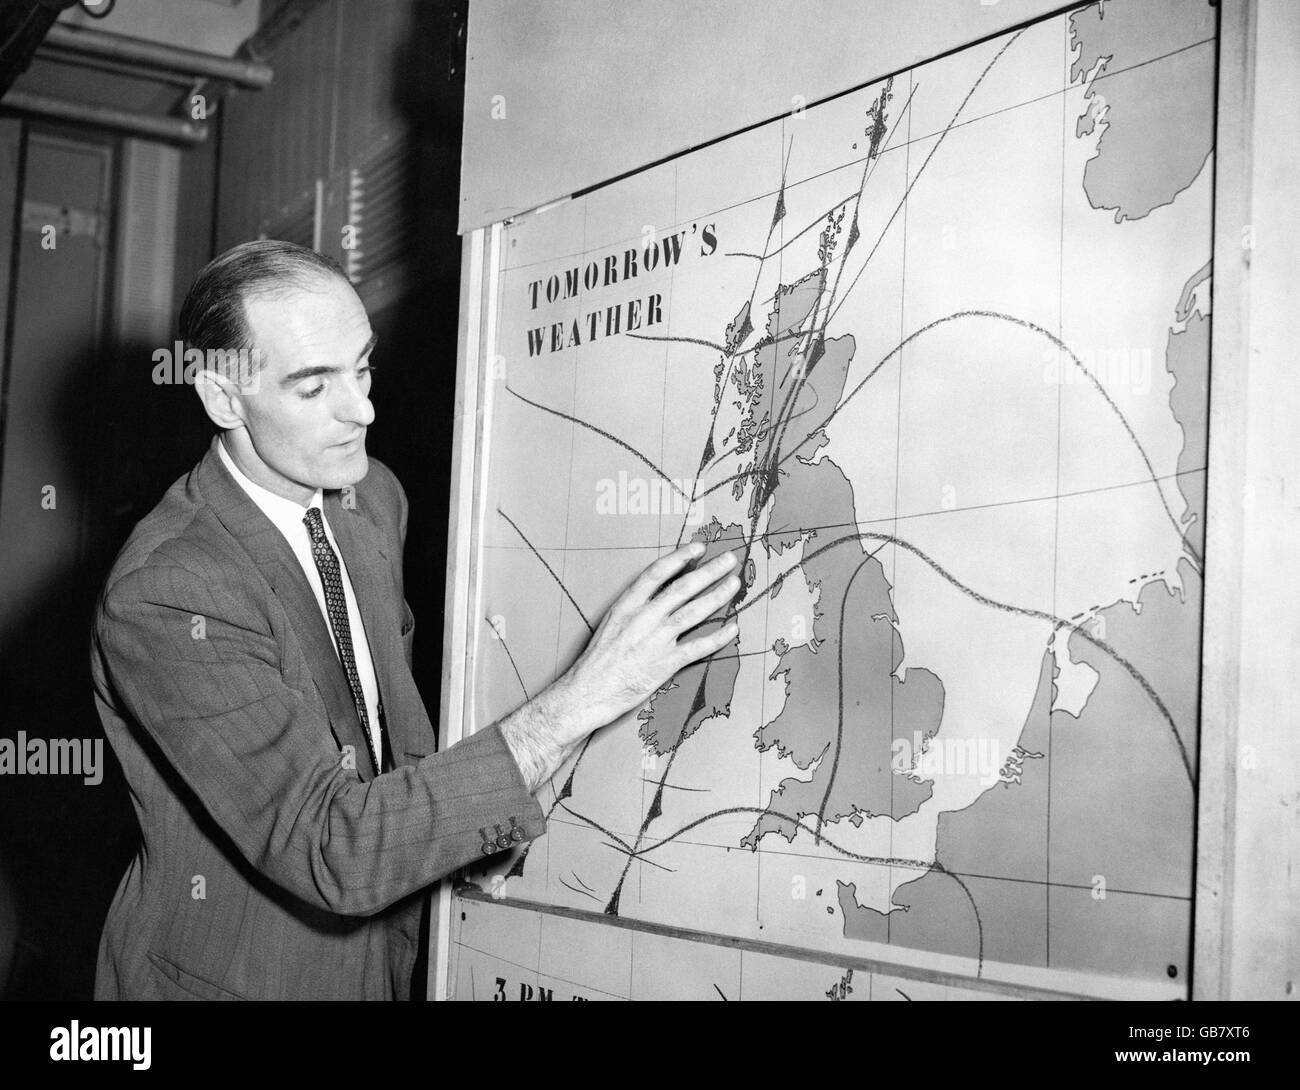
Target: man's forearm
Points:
(538, 736)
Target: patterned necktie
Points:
(337, 605)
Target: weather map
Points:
(931, 358)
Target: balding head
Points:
(214, 318)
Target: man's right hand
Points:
(641, 643)
(638, 646)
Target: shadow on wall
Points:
(65, 843)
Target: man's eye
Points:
(366, 371)
(313, 393)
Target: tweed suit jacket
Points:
(274, 862)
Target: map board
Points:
(931, 357)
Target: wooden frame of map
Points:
(932, 357)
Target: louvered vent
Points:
(381, 211)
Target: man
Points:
(251, 660)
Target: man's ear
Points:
(222, 399)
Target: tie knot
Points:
(315, 528)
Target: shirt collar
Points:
(286, 515)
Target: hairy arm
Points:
(535, 736)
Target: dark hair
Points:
(212, 317)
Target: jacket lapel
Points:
(280, 568)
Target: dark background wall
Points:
(361, 128)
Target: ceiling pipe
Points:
(175, 129)
(117, 68)
(191, 62)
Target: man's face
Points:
(307, 414)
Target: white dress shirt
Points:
(287, 517)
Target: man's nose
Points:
(358, 408)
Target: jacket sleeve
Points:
(200, 671)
